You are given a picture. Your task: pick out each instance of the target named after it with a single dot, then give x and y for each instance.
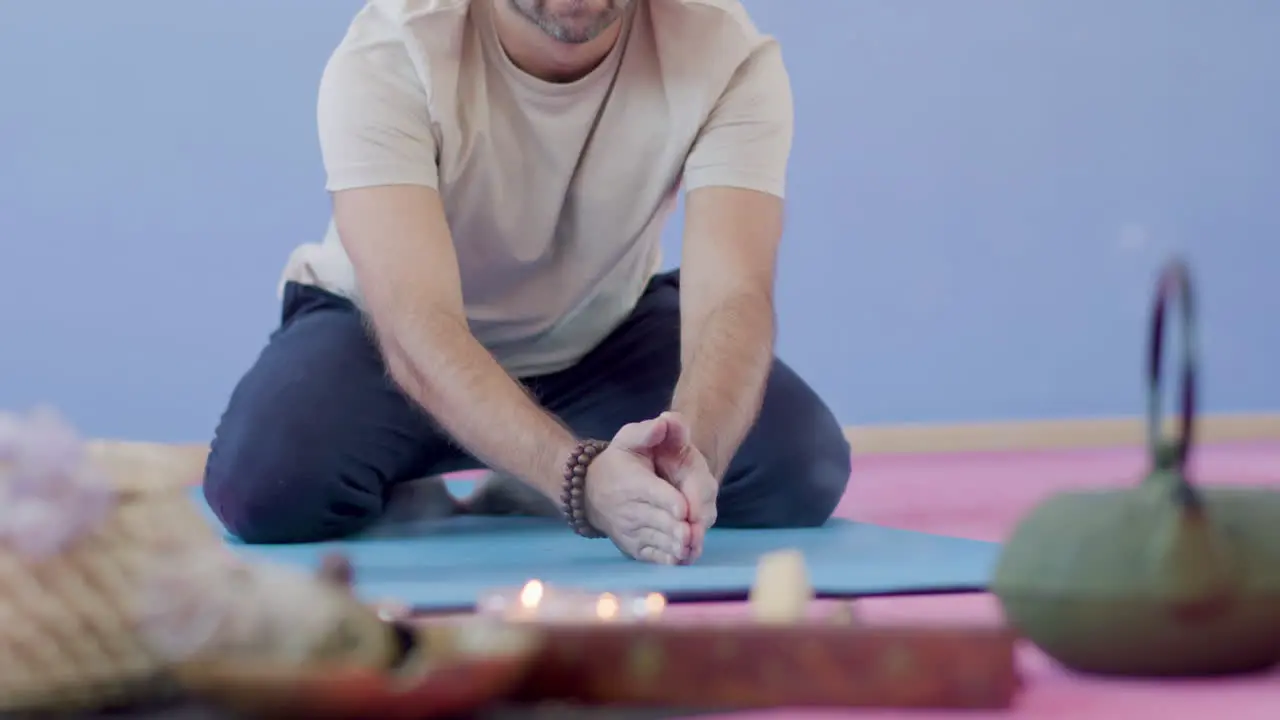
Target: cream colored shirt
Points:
(557, 228)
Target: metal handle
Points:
(1174, 286)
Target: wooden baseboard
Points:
(1047, 434)
(147, 463)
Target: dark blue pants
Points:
(315, 435)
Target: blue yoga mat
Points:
(445, 564)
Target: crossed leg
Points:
(316, 438)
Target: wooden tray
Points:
(744, 666)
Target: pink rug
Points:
(982, 496)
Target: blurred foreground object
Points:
(1165, 579)
(75, 547)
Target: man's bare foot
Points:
(422, 499)
(502, 494)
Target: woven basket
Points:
(69, 615)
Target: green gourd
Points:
(1164, 579)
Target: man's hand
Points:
(680, 463)
(645, 516)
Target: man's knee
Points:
(825, 478)
(794, 467)
(788, 483)
(311, 432)
(269, 491)
(810, 486)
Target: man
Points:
(488, 294)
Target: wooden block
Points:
(758, 666)
(781, 592)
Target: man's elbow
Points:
(399, 365)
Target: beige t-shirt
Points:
(557, 229)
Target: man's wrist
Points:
(711, 458)
(551, 464)
(702, 441)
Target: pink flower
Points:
(183, 602)
(206, 602)
(50, 495)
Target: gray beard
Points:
(570, 35)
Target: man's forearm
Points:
(398, 239)
(446, 370)
(726, 356)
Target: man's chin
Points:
(573, 36)
(578, 30)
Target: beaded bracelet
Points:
(573, 498)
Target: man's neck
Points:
(543, 57)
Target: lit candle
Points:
(526, 603)
(654, 605)
(607, 607)
(610, 607)
(537, 601)
(530, 600)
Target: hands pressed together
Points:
(652, 492)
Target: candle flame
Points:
(655, 603)
(531, 594)
(607, 607)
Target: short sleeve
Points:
(746, 141)
(373, 118)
